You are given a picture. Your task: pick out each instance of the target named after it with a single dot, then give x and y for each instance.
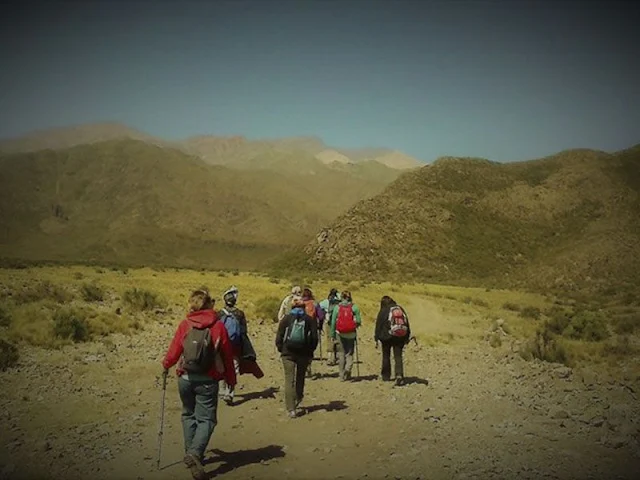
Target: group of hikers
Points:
(213, 347)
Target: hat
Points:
(296, 290)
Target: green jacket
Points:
(334, 318)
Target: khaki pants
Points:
(346, 348)
(295, 369)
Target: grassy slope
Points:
(126, 201)
(569, 220)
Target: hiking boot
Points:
(399, 381)
(228, 399)
(347, 376)
(292, 414)
(298, 402)
(194, 464)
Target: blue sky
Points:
(506, 80)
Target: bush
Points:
(71, 324)
(42, 291)
(619, 346)
(267, 308)
(531, 312)
(9, 355)
(623, 325)
(589, 326)
(78, 275)
(545, 346)
(92, 292)
(142, 300)
(5, 318)
(511, 306)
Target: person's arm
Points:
(314, 333)
(227, 353)
(175, 348)
(379, 325)
(283, 309)
(332, 326)
(282, 327)
(320, 316)
(356, 313)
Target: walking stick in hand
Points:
(160, 433)
(357, 360)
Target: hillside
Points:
(126, 201)
(65, 137)
(232, 151)
(569, 221)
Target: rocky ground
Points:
(468, 411)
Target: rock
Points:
(559, 413)
(597, 421)
(615, 441)
(46, 446)
(563, 372)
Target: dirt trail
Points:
(93, 411)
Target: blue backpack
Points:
(232, 325)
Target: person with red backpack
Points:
(345, 320)
(315, 311)
(204, 355)
(393, 332)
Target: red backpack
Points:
(398, 324)
(345, 323)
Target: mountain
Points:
(131, 202)
(65, 137)
(570, 221)
(233, 151)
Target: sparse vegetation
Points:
(511, 306)
(71, 324)
(5, 317)
(39, 291)
(531, 312)
(92, 292)
(267, 308)
(545, 346)
(9, 355)
(141, 300)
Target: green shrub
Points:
(141, 300)
(511, 306)
(42, 291)
(5, 318)
(531, 312)
(618, 346)
(92, 292)
(71, 324)
(589, 326)
(78, 275)
(545, 346)
(267, 308)
(9, 355)
(627, 324)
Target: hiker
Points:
(235, 323)
(315, 311)
(285, 306)
(393, 332)
(296, 340)
(327, 305)
(204, 355)
(345, 321)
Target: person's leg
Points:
(349, 348)
(385, 372)
(341, 357)
(188, 398)
(289, 384)
(228, 393)
(397, 357)
(206, 416)
(301, 367)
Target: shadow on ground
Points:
(232, 460)
(264, 394)
(332, 406)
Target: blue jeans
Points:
(199, 413)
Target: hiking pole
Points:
(320, 340)
(160, 433)
(357, 359)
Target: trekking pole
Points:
(357, 359)
(160, 433)
(320, 341)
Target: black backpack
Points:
(199, 352)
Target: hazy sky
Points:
(506, 80)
